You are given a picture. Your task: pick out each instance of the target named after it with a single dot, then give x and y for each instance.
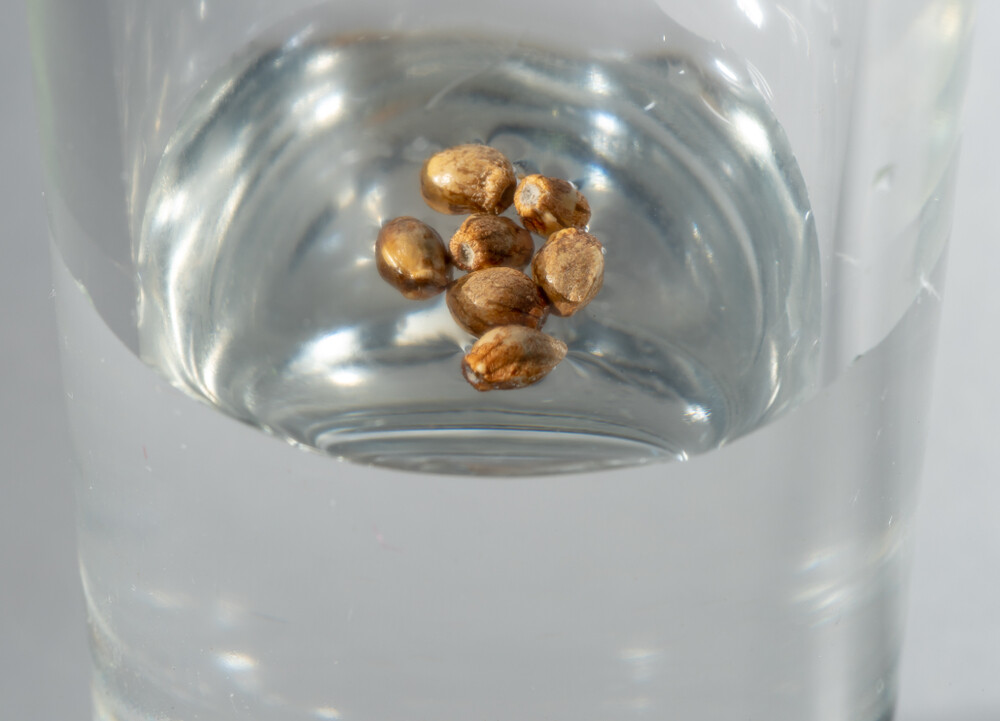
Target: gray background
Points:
(951, 662)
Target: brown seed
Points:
(492, 297)
(486, 241)
(511, 356)
(570, 269)
(468, 179)
(547, 205)
(411, 256)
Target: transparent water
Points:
(260, 295)
(229, 575)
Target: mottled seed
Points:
(547, 205)
(493, 297)
(569, 268)
(511, 356)
(486, 241)
(468, 179)
(411, 256)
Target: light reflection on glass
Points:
(760, 82)
(704, 248)
(697, 414)
(425, 326)
(327, 713)
(726, 71)
(320, 63)
(945, 22)
(171, 208)
(607, 137)
(163, 600)
(235, 661)
(641, 662)
(164, 90)
(754, 134)
(374, 200)
(300, 37)
(329, 109)
(607, 123)
(332, 356)
(596, 179)
(838, 579)
(348, 377)
(799, 32)
(753, 11)
(818, 558)
(329, 355)
(227, 612)
(346, 198)
(334, 348)
(926, 285)
(321, 106)
(222, 91)
(774, 372)
(597, 82)
(212, 362)
(233, 156)
(187, 246)
(233, 200)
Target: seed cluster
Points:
(496, 300)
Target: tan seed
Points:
(547, 205)
(511, 356)
(411, 256)
(486, 241)
(569, 269)
(468, 179)
(493, 297)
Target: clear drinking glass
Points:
(291, 503)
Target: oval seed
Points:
(547, 205)
(511, 356)
(486, 241)
(410, 255)
(569, 269)
(492, 297)
(468, 179)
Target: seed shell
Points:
(509, 357)
(493, 297)
(468, 179)
(410, 255)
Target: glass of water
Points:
(292, 505)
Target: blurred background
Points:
(951, 661)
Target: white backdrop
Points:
(951, 663)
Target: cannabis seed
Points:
(468, 179)
(569, 268)
(411, 256)
(486, 241)
(492, 297)
(547, 205)
(511, 356)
